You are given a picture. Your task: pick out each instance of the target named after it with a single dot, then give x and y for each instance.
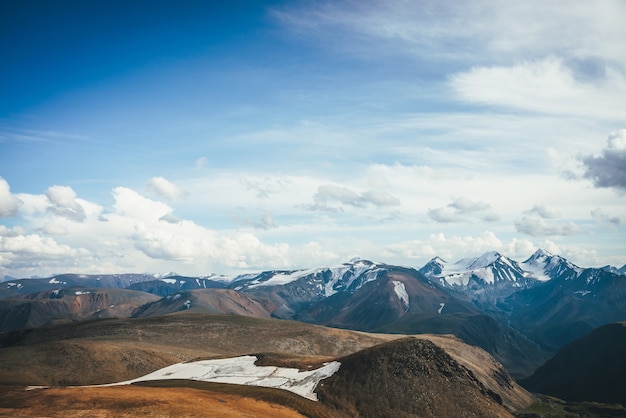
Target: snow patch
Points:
(169, 281)
(441, 306)
(243, 371)
(187, 304)
(400, 290)
(81, 292)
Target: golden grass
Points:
(133, 401)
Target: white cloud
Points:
(546, 85)
(53, 229)
(456, 247)
(9, 203)
(539, 227)
(164, 188)
(469, 30)
(11, 232)
(605, 218)
(63, 203)
(131, 204)
(263, 186)
(263, 221)
(334, 198)
(463, 209)
(28, 253)
(544, 212)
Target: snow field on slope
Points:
(243, 371)
(400, 290)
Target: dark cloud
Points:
(609, 169)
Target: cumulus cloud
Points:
(608, 169)
(463, 209)
(131, 204)
(9, 203)
(613, 221)
(544, 212)
(150, 227)
(53, 229)
(331, 198)
(165, 189)
(63, 203)
(536, 226)
(26, 253)
(455, 247)
(10, 232)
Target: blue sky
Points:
(224, 137)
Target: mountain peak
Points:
(484, 260)
(541, 253)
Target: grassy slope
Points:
(118, 349)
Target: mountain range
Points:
(521, 313)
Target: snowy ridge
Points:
(545, 266)
(327, 280)
(492, 270)
(489, 268)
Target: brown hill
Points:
(68, 305)
(211, 301)
(113, 350)
(408, 378)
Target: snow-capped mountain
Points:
(545, 266)
(485, 279)
(310, 284)
(612, 269)
(489, 268)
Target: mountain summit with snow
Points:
(489, 276)
(545, 266)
